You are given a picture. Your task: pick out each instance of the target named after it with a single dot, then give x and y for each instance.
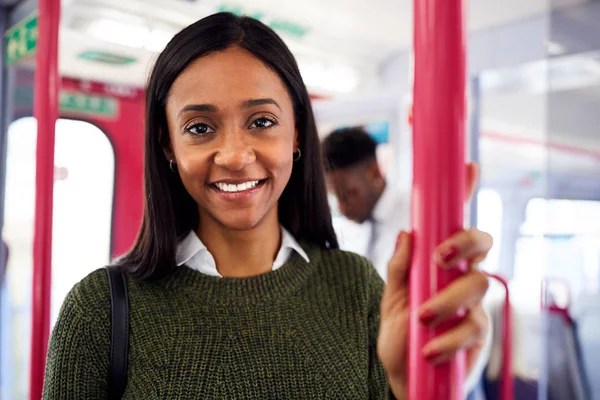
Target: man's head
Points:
(353, 174)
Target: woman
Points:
(236, 286)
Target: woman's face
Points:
(232, 133)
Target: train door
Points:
(83, 198)
(82, 216)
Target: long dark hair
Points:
(169, 211)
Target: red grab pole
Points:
(507, 387)
(46, 113)
(438, 181)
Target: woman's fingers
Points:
(458, 297)
(399, 264)
(468, 333)
(472, 245)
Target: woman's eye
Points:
(262, 123)
(199, 129)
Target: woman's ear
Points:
(169, 154)
(165, 142)
(296, 141)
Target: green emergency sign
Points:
(20, 40)
(89, 104)
(282, 25)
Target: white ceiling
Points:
(356, 33)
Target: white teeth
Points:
(236, 188)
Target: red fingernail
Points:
(432, 355)
(427, 316)
(449, 254)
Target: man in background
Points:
(355, 178)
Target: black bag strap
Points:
(119, 334)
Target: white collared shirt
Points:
(390, 215)
(193, 253)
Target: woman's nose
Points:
(235, 153)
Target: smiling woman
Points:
(236, 286)
(225, 110)
(233, 144)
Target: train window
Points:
(559, 241)
(82, 211)
(489, 219)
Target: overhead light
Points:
(157, 40)
(119, 33)
(334, 77)
(105, 57)
(593, 66)
(130, 35)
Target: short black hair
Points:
(169, 211)
(347, 147)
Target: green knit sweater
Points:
(304, 331)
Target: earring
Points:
(171, 165)
(297, 155)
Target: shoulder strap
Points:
(119, 335)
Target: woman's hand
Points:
(465, 292)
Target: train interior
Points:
(533, 81)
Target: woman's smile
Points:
(238, 189)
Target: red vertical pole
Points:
(46, 113)
(438, 181)
(507, 387)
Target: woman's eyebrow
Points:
(199, 107)
(259, 102)
(212, 108)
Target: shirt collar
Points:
(188, 248)
(289, 242)
(191, 245)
